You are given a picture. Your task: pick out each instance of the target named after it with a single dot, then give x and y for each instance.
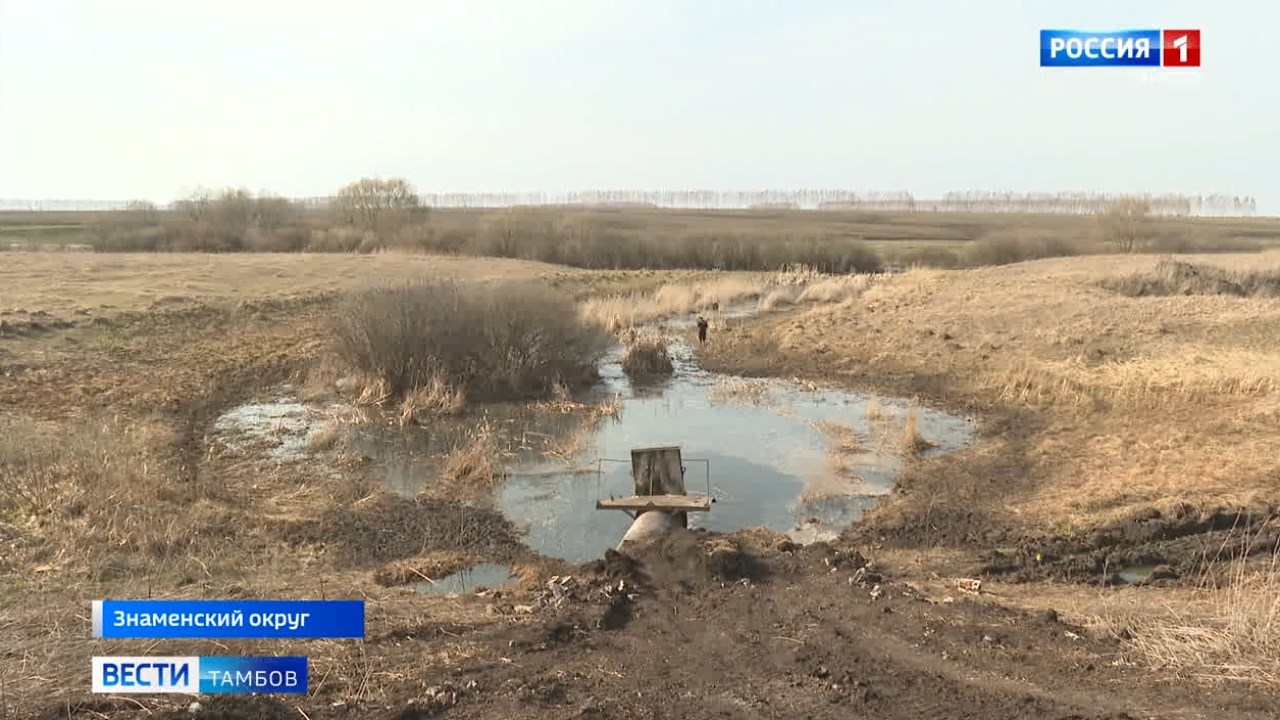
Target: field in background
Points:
(668, 238)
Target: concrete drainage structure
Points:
(660, 503)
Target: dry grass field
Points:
(59, 283)
(1121, 422)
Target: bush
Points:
(1174, 243)
(646, 356)
(933, 257)
(1127, 223)
(1008, 249)
(228, 221)
(580, 239)
(341, 239)
(285, 239)
(489, 341)
(1172, 277)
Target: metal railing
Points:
(706, 472)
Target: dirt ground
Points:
(1114, 430)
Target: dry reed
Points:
(647, 357)
(912, 441)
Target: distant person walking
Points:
(702, 330)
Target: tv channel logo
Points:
(205, 675)
(1120, 48)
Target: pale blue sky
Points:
(132, 98)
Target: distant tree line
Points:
(360, 217)
(403, 198)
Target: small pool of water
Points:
(474, 578)
(763, 458)
(1135, 573)
(410, 459)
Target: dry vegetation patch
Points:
(1234, 634)
(1174, 277)
(792, 285)
(754, 392)
(430, 344)
(97, 491)
(61, 283)
(622, 311)
(646, 356)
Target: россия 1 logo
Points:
(1120, 48)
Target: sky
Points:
(153, 99)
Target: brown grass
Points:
(912, 441)
(844, 439)
(793, 285)
(427, 568)
(431, 344)
(569, 445)
(754, 392)
(1236, 639)
(477, 460)
(433, 398)
(620, 312)
(62, 282)
(325, 437)
(1121, 402)
(646, 356)
(874, 412)
(1173, 277)
(97, 490)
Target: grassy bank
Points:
(1073, 377)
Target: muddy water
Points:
(762, 457)
(469, 580)
(410, 460)
(1132, 574)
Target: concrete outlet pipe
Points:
(651, 524)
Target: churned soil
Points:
(746, 625)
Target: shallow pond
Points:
(760, 451)
(805, 461)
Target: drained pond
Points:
(802, 460)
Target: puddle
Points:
(473, 578)
(1135, 573)
(409, 460)
(284, 423)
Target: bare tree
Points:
(1128, 222)
(196, 206)
(140, 212)
(378, 204)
